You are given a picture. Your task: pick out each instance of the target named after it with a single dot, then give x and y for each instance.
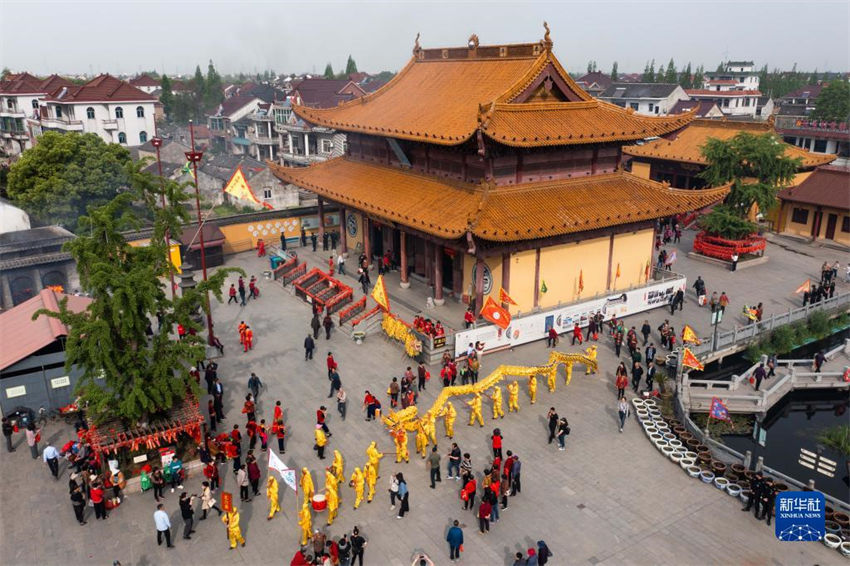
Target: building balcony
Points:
(262, 140)
(61, 124)
(301, 159)
(261, 117)
(14, 134)
(12, 113)
(109, 124)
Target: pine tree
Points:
(329, 71)
(350, 66)
(614, 75)
(166, 97)
(213, 90)
(813, 79)
(659, 77)
(126, 375)
(649, 72)
(698, 77)
(670, 74)
(685, 77)
(199, 89)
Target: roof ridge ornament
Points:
(547, 40)
(417, 49)
(473, 41)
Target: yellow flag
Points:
(688, 335)
(238, 187)
(379, 293)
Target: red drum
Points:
(319, 503)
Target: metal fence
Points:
(730, 338)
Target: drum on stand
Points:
(320, 502)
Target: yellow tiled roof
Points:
(687, 145)
(444, 96)
(526, 211)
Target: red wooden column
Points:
(321, 221)
(479, 284)
(403, 243)
(438, 275)
(367, 240)
(506, 276)
(537, 278)
(343, 228)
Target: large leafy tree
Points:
(166, 97)
(65, 173)
(757, 167)
(833, 102)
(213, 89)
(127, 375)
(614, 74)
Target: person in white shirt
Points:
(51, 458)
(163, 526)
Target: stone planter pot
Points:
(780, 487)
(690, 454)
(642, 414)
(721, 483)
(739, 469)
(660, 444)
(692, 443)
(676, 457)
(693, 471)
(686, 463)
(638, 403)
(745, 484)
(733, 489)
(649, 403)
(844, 548)
(704, 456)
(832, 540)
(676, 443)
(650, 430)
(719, 468)
(706, 476)
(679, 430)
(832, 527)
(750, 475)
(655, 437)
(701, 448)
(670, 437)
(675, 423)
(842, 519)
(685, 436)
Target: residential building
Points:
(594, 83)
(19, 96)
(655, 99)
(765, 107)
(704, 108)
(146, 83)
(265, 143)
(33, 259)
(32, 359)
(733, 75)
(818, 207)
(730, 102)
(805, 96)
(734, 88)
(479, 167)
(302, 143)
(678, 160)
(111, 108)
(217, 169)
(229, 125)
(794, 124)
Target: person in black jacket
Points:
(358, 546)
(79, 503)
(553, 423)
(309, 346)
(188, 513)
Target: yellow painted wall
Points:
(522, 281)
(640, 169)
(560, 267)
(804, 230)
(495, 265)
(631, 251)
(353, 241)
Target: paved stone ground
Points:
(610, 498)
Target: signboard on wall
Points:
(536, 326)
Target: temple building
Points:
(477, 167)
(678, 159)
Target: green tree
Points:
(699, 75)
(198, 89)
(127, 375)
(350, 66)
(213, 89)
(814, 78)
(614, 74)
(670, 75)
(591, 66)
(837, 439)
(659, 76)
(329, 71)
(833, 102)
(166, 97)
(757, 167)
(685, 77)
(5, 73)
(649, 72)
(65, 173)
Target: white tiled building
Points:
(734, 88)
(111, 108)
(19, 96)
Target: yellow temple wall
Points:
(631, 251)
(495, 265)
(640, 169)
(560, 267)
(353, 241)
(522, 281)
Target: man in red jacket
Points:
(332, 365)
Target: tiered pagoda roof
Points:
(686, 145)
(517, 95)
(448, 209)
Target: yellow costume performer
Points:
(234, 533)
(498, 406)
(271, 493)
(569, 366)
(513, 396)
(357, 482)
(338, 467)
(333, 504)
(330, 482)
(321, 439)
(307, 485)
(421, 440)
(475, 410)
(305, 521)
(450, 415)
(371, 480)
(591, 353)
(553, 376)
(401, 452)
(374, 457)
(532, 388)
(429, 421)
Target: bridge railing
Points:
(729, 338)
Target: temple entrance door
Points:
(396, 247)
(448, 269)
(831, 221)
(418, 258)
(23, 288)
(377, 239)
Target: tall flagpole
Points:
(195, 158)
(156, 141)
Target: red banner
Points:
(227, 501)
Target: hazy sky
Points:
(126, 37)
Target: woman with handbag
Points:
(403, 495)
(207, 501)
(563, 431)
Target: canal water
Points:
(787, 437)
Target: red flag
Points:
(496, 314)
(805, 286)
(581, 280)
(718, 410)
(691, 361)
(618, 271)
(505, 298)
